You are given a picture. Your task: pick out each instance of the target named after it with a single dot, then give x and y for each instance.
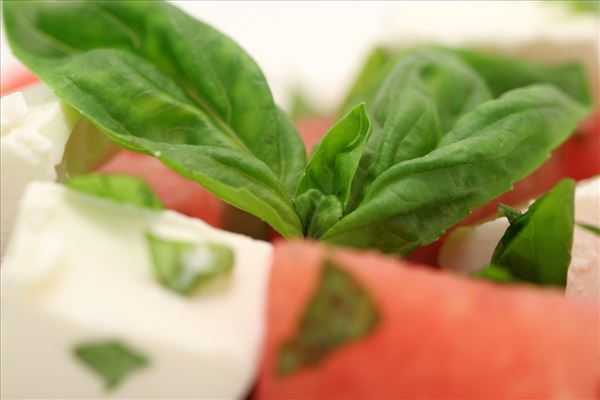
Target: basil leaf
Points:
(324, 189)
(500, 142)
(162, 83)
(118, 188)
(318, 212)
(340, 311)
(112, 360)
(589, 227)
(335, 160)
(423, 96)
(184, 267)
(503, 74)
(536, 247)
(495, 273)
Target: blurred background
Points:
(315, 49)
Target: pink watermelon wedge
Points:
(438, 336)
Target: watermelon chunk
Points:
(439, 336)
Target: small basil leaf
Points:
(340, 311)
(184, 267)
(317, 212)
(157, 81)
(536, 247)
(589, 227)
(517, 221)
(500, 142)
(334, 161)
(495, 273)
(118, 188)
(112, 360)
(421, 98)
(503, 74)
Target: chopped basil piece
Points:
(119, 188)
(589, 227)
(183, 267)
(536, 247)
(495, 273)
(340, 310)
(111, 360)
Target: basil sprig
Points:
(442, 130)
(536, 247)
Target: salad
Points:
(167, 232)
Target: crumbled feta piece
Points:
(35, 127)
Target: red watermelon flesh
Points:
(440, 336)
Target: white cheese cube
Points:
(35, 128)
(584, 271)
(79, 270)
(13, 109)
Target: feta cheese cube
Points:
(35, 127)
(79, 270)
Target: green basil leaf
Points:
(500, 142)
(318, 212)
(340, 311)
(335, 160)
(162, 83)
(184, 267)
(503, 74)
(536, 247)
(589, 227)
(421, 99)
(111, 360)
(496, 274)
(119, 188)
